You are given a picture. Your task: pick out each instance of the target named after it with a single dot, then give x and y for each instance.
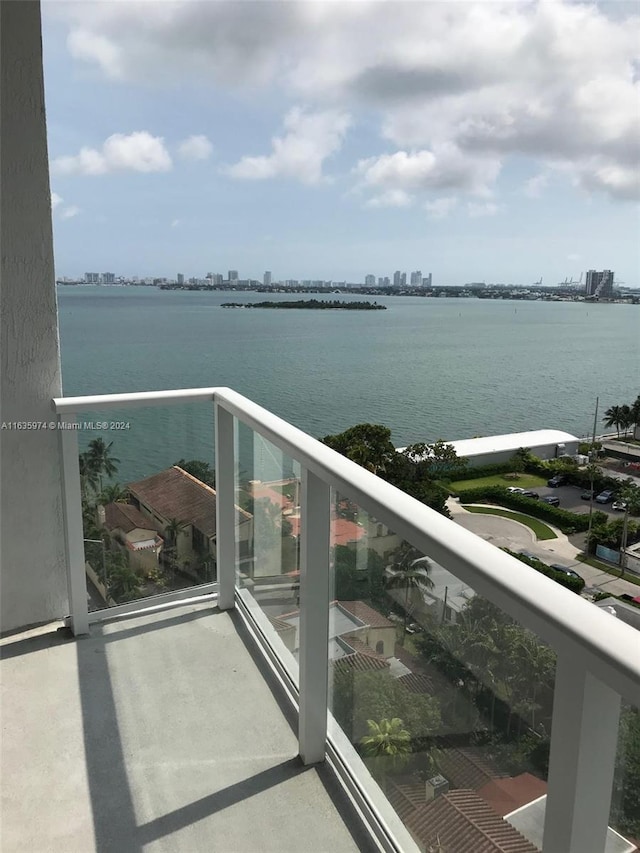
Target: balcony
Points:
(234, 702)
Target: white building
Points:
(493, 449)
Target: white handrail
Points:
(606, 647)
(609, 648)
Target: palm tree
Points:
(113, 494)
(173, 528)
(88, 475)
(626, 418)
(388, 744)
(410, 571)
(100, 458)
(635, 411)
(613, 418)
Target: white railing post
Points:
(225, 508)
(73, 533)
(584, 736)
(315, 526)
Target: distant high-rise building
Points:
(92, 278)
(108, 278)
(180, 278)
(403, 280)
(266, 279)
(426, 282)
(233, 275)
(416, 278)
(599, 284)
(396, 278)
(370, 281)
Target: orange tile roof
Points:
(366, 614)
(461, 820)
(508, 794)
(176, 494)
(360, 662)
(125, 517)
(344, 531)
(261, 490)
(468, 767)
(417, 683)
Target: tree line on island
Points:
(311, 304)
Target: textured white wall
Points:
(32, 566)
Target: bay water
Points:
(427, 368)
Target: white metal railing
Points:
(598, 657)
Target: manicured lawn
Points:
(524, 481)
(541, 530)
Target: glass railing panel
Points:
(447, 699)
(148, 500)
(624, 819)
(268, 493)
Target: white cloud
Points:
(445, 167)
(554, 82)
(309, 139)
(70, 212)
(56, 200)
(535, 186)
(391, 198)
(488, 208)
(195, 147)
(441, 207)
(137, 152)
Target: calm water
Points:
(427, 368)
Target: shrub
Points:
(561, 518)
(574, 584)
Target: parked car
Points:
(552, 500)
(515, 490)
(530, 494)
(565, 571)
(529, 555)
(587, 494)
(558, 480)
(604, 497)
(619, 506)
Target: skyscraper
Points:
(396, 278)
(180, 278)
(233, 275)
(266, 279)
(599, 284)
(403, 279)
(370, 280)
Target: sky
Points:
(479, 141)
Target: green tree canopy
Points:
(367, 444)
(200, 470)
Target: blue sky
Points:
(478, 141)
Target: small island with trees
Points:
(311, 304)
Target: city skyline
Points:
(327, 141)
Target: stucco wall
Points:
(33, 573)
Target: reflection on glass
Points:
(625, 802)
(148, 501)
(268, 490)
(447, 699)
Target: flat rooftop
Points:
(160, 732)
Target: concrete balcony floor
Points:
(159, 732)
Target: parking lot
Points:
(570, 499)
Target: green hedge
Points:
(487, 471)
(574, 584)
(568, 522)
